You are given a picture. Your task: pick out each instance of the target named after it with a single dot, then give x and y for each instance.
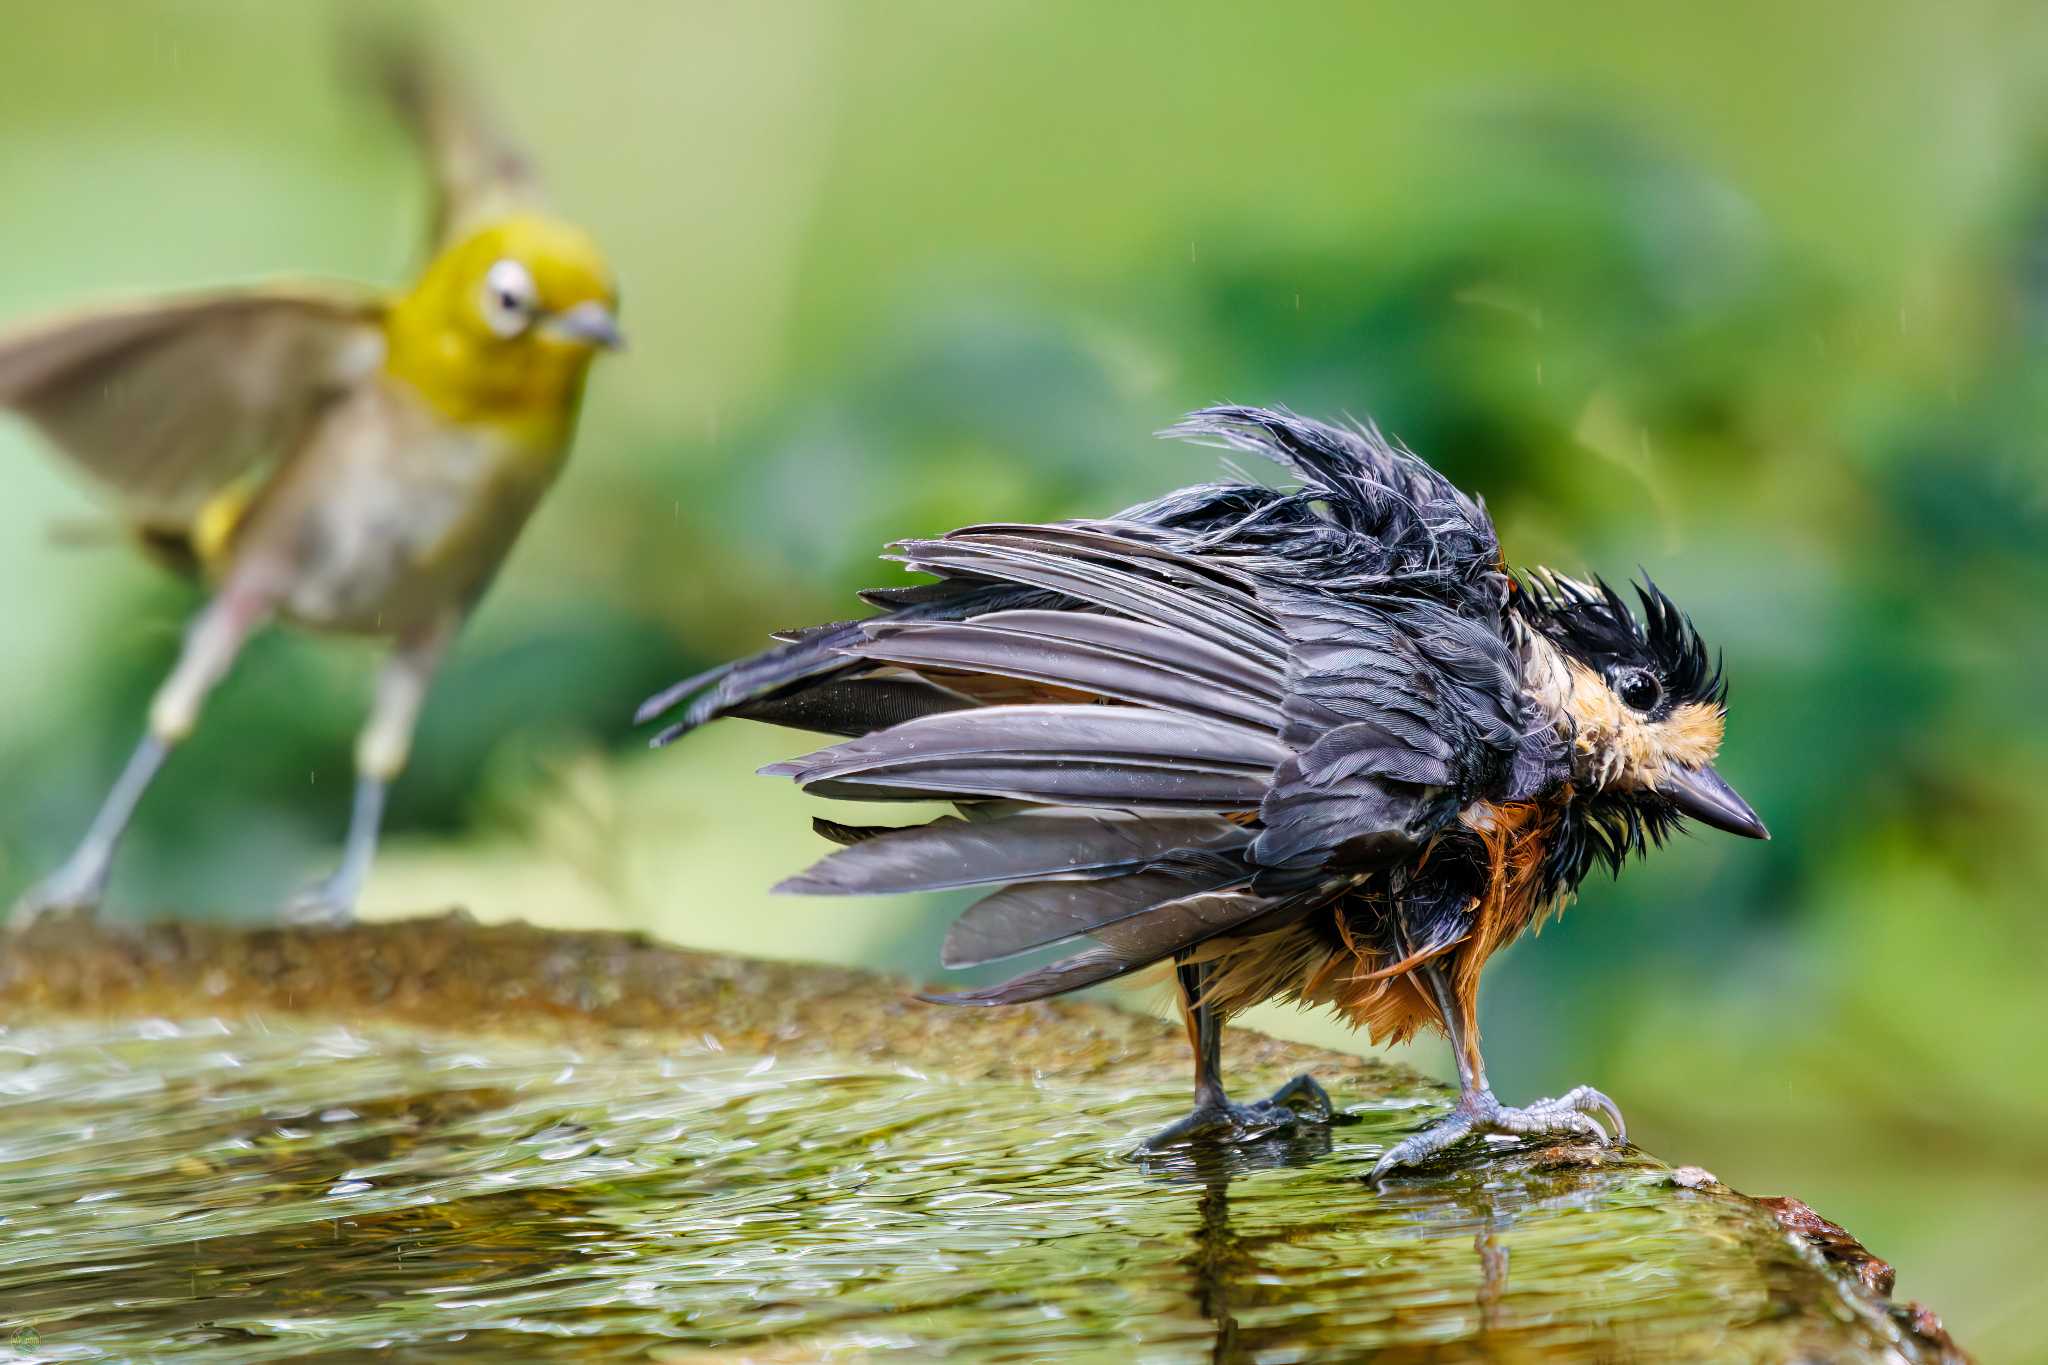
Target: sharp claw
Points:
(1588, 1126)
(1586, 1100)
(1571, 1113)
(1613, 1111)
(1420, 1146)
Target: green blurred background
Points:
(1755, 295)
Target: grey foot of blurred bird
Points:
(78, 887)
(331, 901)
(1299, 1103)
(72, 890)
(1478, 1112)
(322, 905)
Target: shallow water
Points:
(256, 1192)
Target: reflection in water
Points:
(256, 1193)
(1224, 1260)
(1479, 1203)
(1221, 1258)
(1216, 1260)
(1493, 1277)
(1206, 1161)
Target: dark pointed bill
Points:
(1702, 794)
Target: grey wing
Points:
(478, 171)
(1213, 711)
(168, 401)
(1123, 757)
(1398, 712)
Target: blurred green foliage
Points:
(1756, 296)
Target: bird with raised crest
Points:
(347, 459)
(1314, 743)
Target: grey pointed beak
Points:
(590, 323)
(1702, 794)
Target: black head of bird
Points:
(1312, 743)
(1645, 705)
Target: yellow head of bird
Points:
(503, 324)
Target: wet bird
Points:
(1314, 743)
(346, 459)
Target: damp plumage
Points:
(1314, 742)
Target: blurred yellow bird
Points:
(342, 458)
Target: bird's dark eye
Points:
(1638, 689)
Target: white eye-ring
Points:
(510, 299)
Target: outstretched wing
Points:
(168, 401)
(1113, 751)
(1398, 713)
(1160, 728)
(478, 172)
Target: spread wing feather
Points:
(1105, 657)
(950, 853)
(169, 401)
(817, 656)
(1126, 946)
(852, 707)
(1032, 915)
(1090, 967)
(1161, 646)
(478, 172)
(1115, 756)
(1099, 582)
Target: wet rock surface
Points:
(457, 1140)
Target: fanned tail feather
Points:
(1121, 757)
(1130, 585)
(1125, 947)
(1097, 655)
(1032, 915)
(815, 655)
(949, 853)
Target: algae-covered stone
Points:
(507, 1142)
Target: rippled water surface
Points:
(257, 1193)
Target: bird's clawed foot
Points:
(72, 890)
(1299, 1103)
(326, 904)
(1571, 1114)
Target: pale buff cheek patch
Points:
(1620, 747)
(1692, 734)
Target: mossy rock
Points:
(506, 1142)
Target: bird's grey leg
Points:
(1300, 1100)
(381, 752)
(1477, 1111)
(331, 900)
(215, 637)
(81, 882)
